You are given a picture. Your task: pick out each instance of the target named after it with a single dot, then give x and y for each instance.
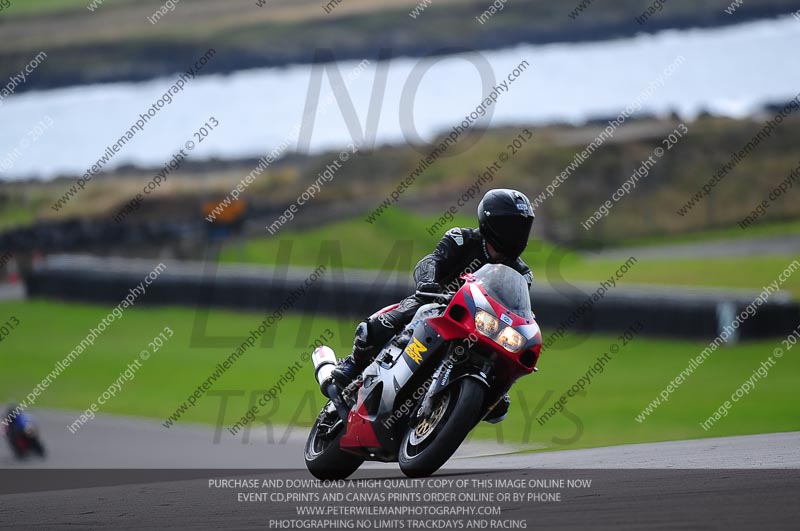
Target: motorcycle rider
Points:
(505, 218)
(16, 420)
(19, 423)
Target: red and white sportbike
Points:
(432, 383)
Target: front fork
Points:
(455, 367)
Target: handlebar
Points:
(446, 295)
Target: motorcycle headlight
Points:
(486, 323)
(510, 339)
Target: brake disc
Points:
(428, 424)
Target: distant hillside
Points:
(368, 179)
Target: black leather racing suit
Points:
(459, 251)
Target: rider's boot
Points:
(347, 371)
(354, 364)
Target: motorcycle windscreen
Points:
(507, 287)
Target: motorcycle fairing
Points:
(458, 321)
(386, 382)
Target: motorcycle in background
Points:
(22, 435)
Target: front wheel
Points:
(436, 438)
(36, 446)
(324, 457)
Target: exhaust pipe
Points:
(324, 360)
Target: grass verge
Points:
(604, 415)
(356, 244)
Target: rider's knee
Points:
(362, 333)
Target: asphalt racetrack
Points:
(131, 473)
(127, 443)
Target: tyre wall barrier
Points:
(357, 294)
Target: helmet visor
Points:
(509, 234)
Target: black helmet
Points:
(505, 218)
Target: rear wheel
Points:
(324, 457)
(426, 447)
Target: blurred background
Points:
(254, 147)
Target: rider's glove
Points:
(429, 287)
